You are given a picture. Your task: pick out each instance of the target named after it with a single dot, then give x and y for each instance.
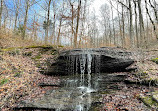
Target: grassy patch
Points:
(17, 74)
(3, 81)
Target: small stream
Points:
(74, 97)
(71, 96)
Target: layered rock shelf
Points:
(103, 60)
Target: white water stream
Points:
(82, 61)
(85, 63)
(89, 64)
(86, 66)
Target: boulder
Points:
(97, 60)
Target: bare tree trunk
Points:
(141, 23)
(113, 24)
(136, 28)
(120, 27)
(72, 21)
(48, 14)
(123, 27)
(131, 24)
(58, 38)
(154, 27)
(77, 26)
(54, 23)
(105, 34)
(1, 9)
(110, 35)
(16, 13)
(34, 32)
(155, 10)
(26, 17)
(147, 29)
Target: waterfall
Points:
(85, 62)
(89, 64)
(82, 67)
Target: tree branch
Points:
(123, 4)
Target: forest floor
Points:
(20, 77)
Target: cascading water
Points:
(89, 62)
(82, 61)
(82, 80)
(85, 66)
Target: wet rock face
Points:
(102, 60)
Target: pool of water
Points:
(72, 96)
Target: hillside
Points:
(21, 64)
(19, 67)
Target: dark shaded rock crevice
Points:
(104, 60)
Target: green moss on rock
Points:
(155, 60)
(155, 96)
(14, 52)
(148, 101)
(27, 53)
(40, 46)
(37, 57)
(8, 49)
(60, 46)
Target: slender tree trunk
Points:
(123, 27)
(105, 34)
(34, 32)
(54, 24)
(16, 14)
(72, 22)
(147, 29)
(47, 28)
(120, 27)
(77, 26)
(1, 9)
(54, 28)
(26, 17)
(58, 38)
(141, 24)
(153, 24)
(136, 24)
(110, 35)
(113, 24)
(131, 24)
(155, 10)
